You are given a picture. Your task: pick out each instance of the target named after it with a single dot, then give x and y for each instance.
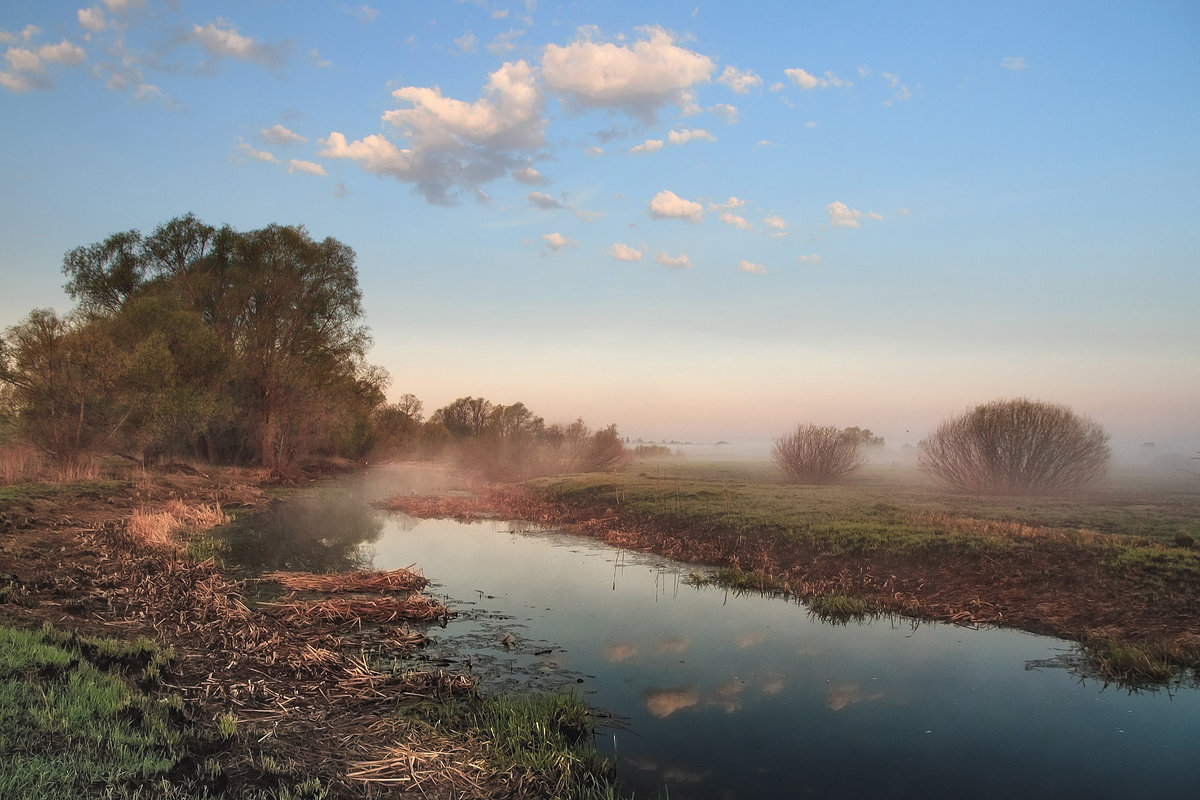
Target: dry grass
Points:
(1011, 530)
(397, 580)
(160, 529)
(20, 463)
(416, 762)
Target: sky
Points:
(699, 221)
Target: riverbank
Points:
(1104, 570)
(269, 699)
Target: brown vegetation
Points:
(1016, 447)
(294, 678)
(815, 454)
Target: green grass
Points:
(84, 717)
(70, 727)
(545, 739)
(893, 511)
(839, 609)
(1130, 665)
(19, 493)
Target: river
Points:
(713, 695)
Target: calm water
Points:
(721, 696)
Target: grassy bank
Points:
(1112, 569)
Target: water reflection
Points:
(671, 645)
(848, 694)
(662, 703)
(621, 652)
(325, 533)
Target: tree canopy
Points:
(232, 346)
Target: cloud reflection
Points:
(729, 694)
(848, 694)
(622, 651)
(748, 640)
(671, 645)
(774, 684)
(662, 703)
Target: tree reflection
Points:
(322, 532)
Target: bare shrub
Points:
(816, 454)
(1016, 446)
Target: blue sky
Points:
(699, 221)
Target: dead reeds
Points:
(357, 610)
(417, 762)
(380, 581)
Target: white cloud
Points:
(500, 13)
(594, 150)
(543, 201)
(686, 135)
(738, 81)
(668, 205)
(454, 145)
(1013, 62)
(314, 55)
(801, 78)
(739, 222)
(677, 262)
(146, 92)
(728, 205)
(623, 252)
(751, 267)
(892, 79)
(25, 35)
(725, 111)
(841, 215)
(121, 6)
(556, 241)
(648, 146)
(528, 176)
(806, 80)
(296, 165)
(812, 258)
(503, 43)
(277, 134)
(639, 79)
(62, 53)
(776, 223)
(466, 42)
(20, 82)
(92, 19)
(257, 155)
(27, 67)
(221, 39)
(23, 60)
(364, 13)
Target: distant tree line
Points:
(233, 347)
(501, 441)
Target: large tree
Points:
(282, 314)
